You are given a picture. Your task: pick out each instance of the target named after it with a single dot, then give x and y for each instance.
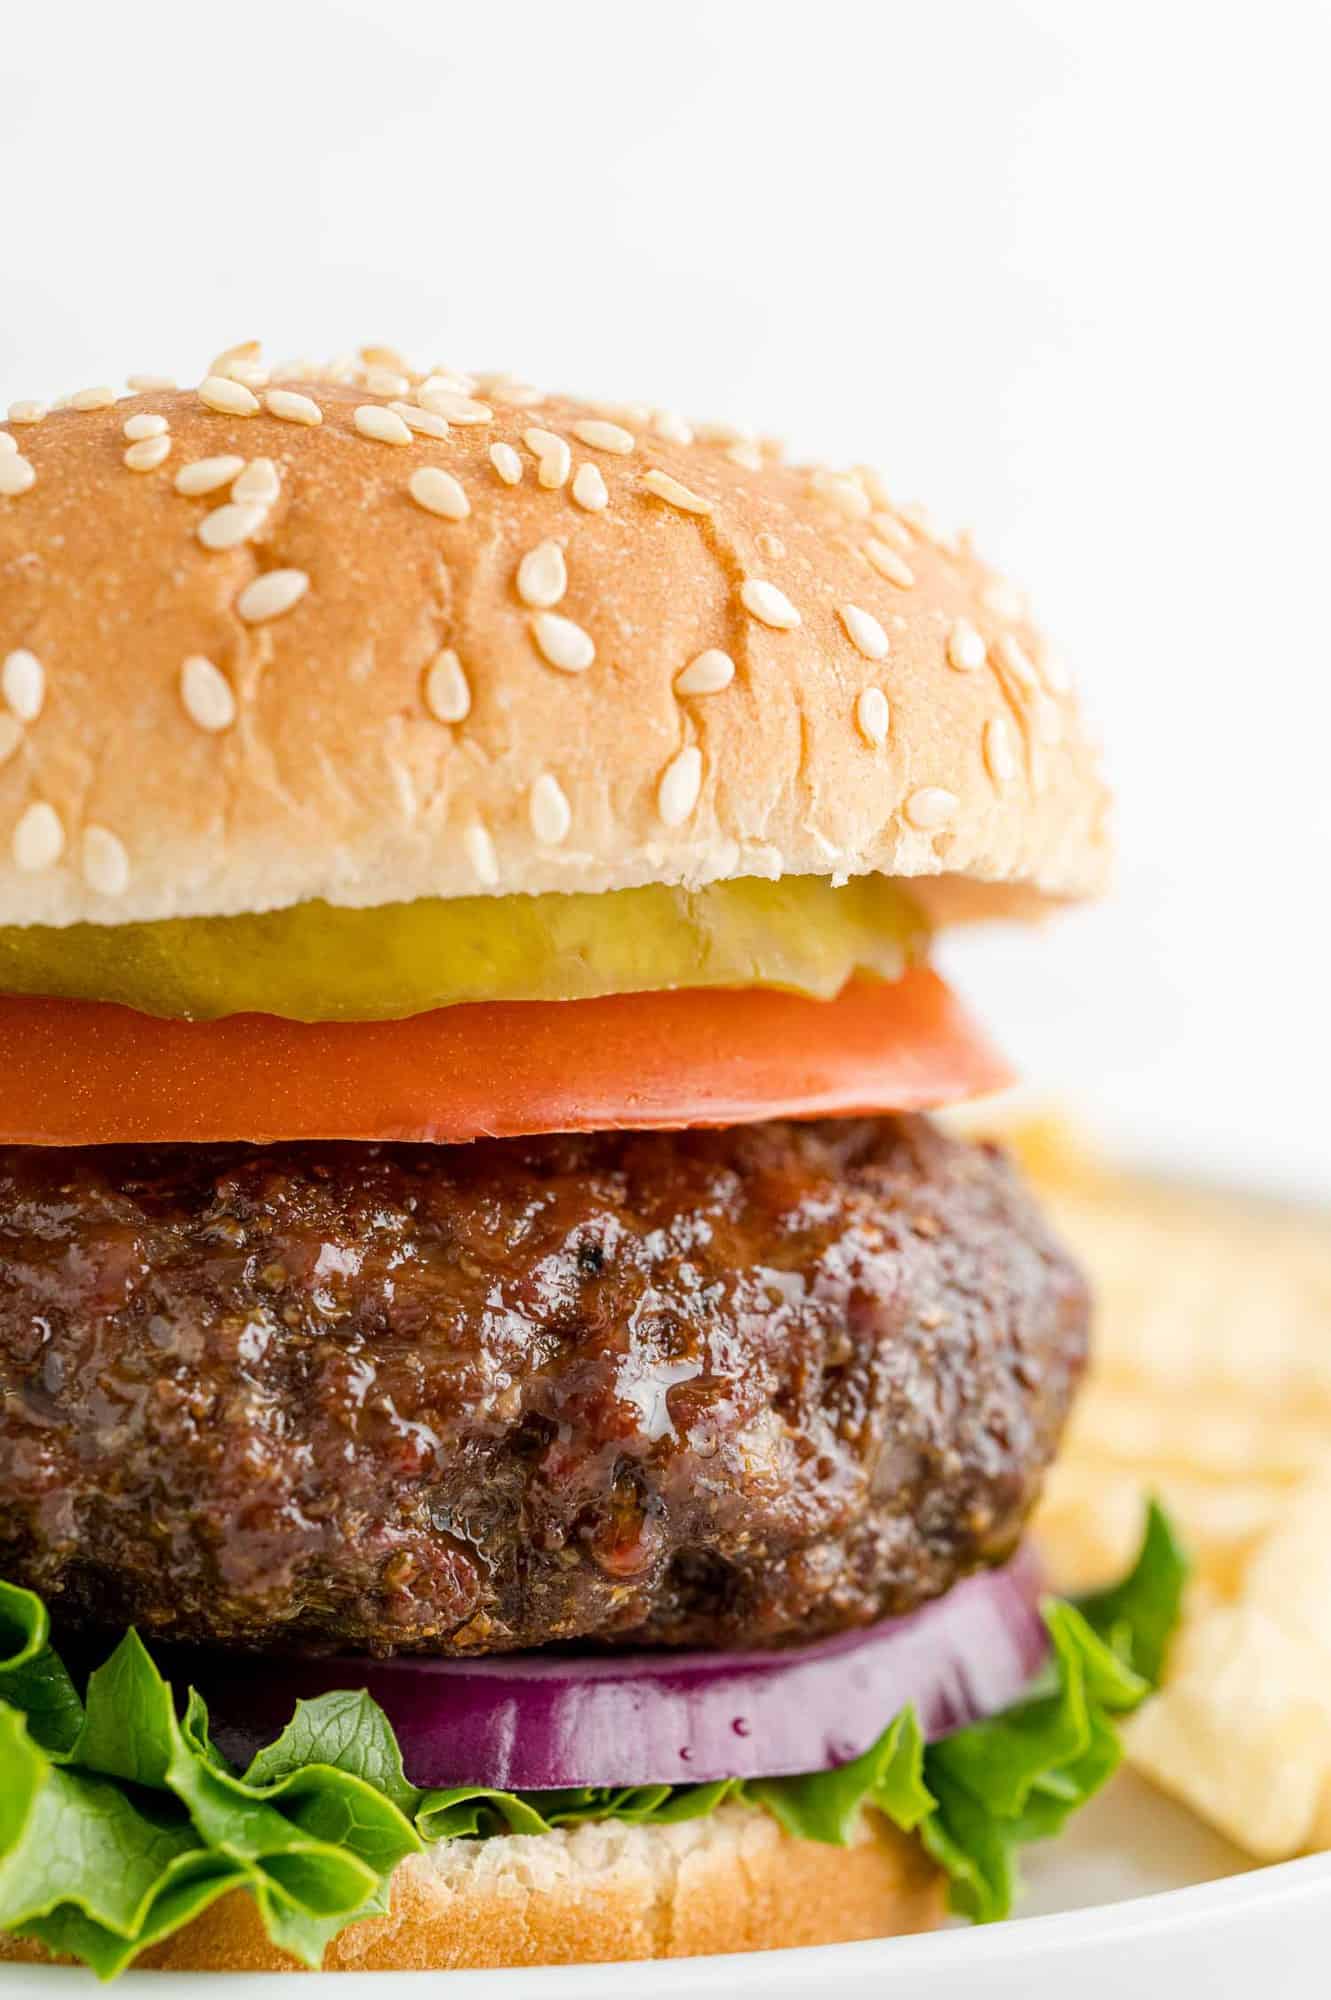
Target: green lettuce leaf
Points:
(127, 1830)
(1137, 1615)
(120, 1820)
(32, 1678)
(1019, 1776)
(825, 1805)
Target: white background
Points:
(1061, 269)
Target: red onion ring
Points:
(542, 1721)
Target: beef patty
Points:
(718, 1389)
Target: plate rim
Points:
(1275, 1890)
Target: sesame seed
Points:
(874, 485)
(252, 373)
(933, 530)
(1047, 719)
(564, 644)
(589, 488)
(675, 493)
(999, 755)
(438, 492)
(747, 455)
(636, 415)
(889, 564)
(666, 424)
(99, 398)
(842, 492)
(205, 475)
(681, 781)
(507, 389)
(259, 483)
(599, 435)
(458, 409)
(8, 443)
(271, 594)
(507, 464)
(105, 862)
(542, 575)
(384, 426)
(148, 453)
(207, 694)
(864, 630)
(891, 529)
(549, 811)
(930, 807)
(706, 673)
(721, 433)
(147, 424)
(1003, 597)
(424, 422)
(242, 364)
(768, 604)
(447, 691)
(1017, 661)
(448, 382)
(481, 853)
(144, 385)
(230, 398)
(27, 413)
(769, 545)
(385, 382)
(292, 407)
(244, 350)
(23, 684)
(554, 460)
(378, 355)
(872, 716)
(39, 838)
(965, 647)
(226, 527)
(16, 475)
(11, 735)
(1056, 676)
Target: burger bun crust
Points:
(216, 704)
(735, 1881)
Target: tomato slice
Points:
(79, 1072)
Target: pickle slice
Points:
(320, 962)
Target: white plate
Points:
(1138, 1900)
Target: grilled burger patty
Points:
(703, 1389)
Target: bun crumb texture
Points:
(598, 1893)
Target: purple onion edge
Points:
(541, 1721)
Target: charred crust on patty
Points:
(692, 1389)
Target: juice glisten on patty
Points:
(482, 1302)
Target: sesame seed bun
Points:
(603, 1892)
(387, 637)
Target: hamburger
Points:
(515, 1427)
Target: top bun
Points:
(448, 636)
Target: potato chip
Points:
(1289, 1576)
(1242, 1731)
(1210, 1388)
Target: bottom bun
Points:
(735, 1881)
